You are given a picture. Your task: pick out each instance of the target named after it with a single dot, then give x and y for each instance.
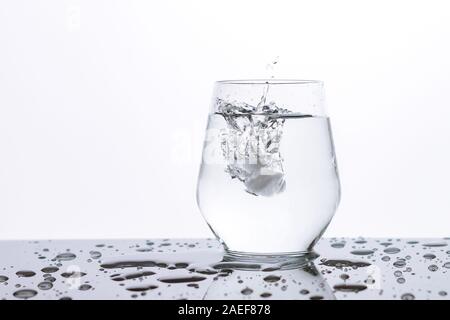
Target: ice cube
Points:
(250, 145)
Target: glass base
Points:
(262, 261)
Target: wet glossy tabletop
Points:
(193, 269)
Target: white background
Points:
(103, 107)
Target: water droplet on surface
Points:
(66, 256)
(3, 279)
(265, 295)
(182, 279)
(84, 287)
(435, 244)
(304, 291)
(401, 280)
(350, 287)
(95, 254)
(316, 298)
(429, 256)
(391, 250)
(45, 285)
(25, 273)
(246, 291)
(344, 276)
(128, 264)
(386, 258)
(25, 293)
(433, 267)
(50, 279)
(362, 252)
(442, 293)
(447, 265)
(142, 288)
(73, 274)
(338, 245)
(272, 278)
(398, 273)
(339, 264)
(399, 263)
(132, 275)
(49, 269)
(408, 296)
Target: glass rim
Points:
(270, 81)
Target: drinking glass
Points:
(268, 184)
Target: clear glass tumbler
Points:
(268, 184)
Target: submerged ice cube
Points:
(250, 144)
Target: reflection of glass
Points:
(302, 283)
(268, 183)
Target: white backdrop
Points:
(103, 106)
